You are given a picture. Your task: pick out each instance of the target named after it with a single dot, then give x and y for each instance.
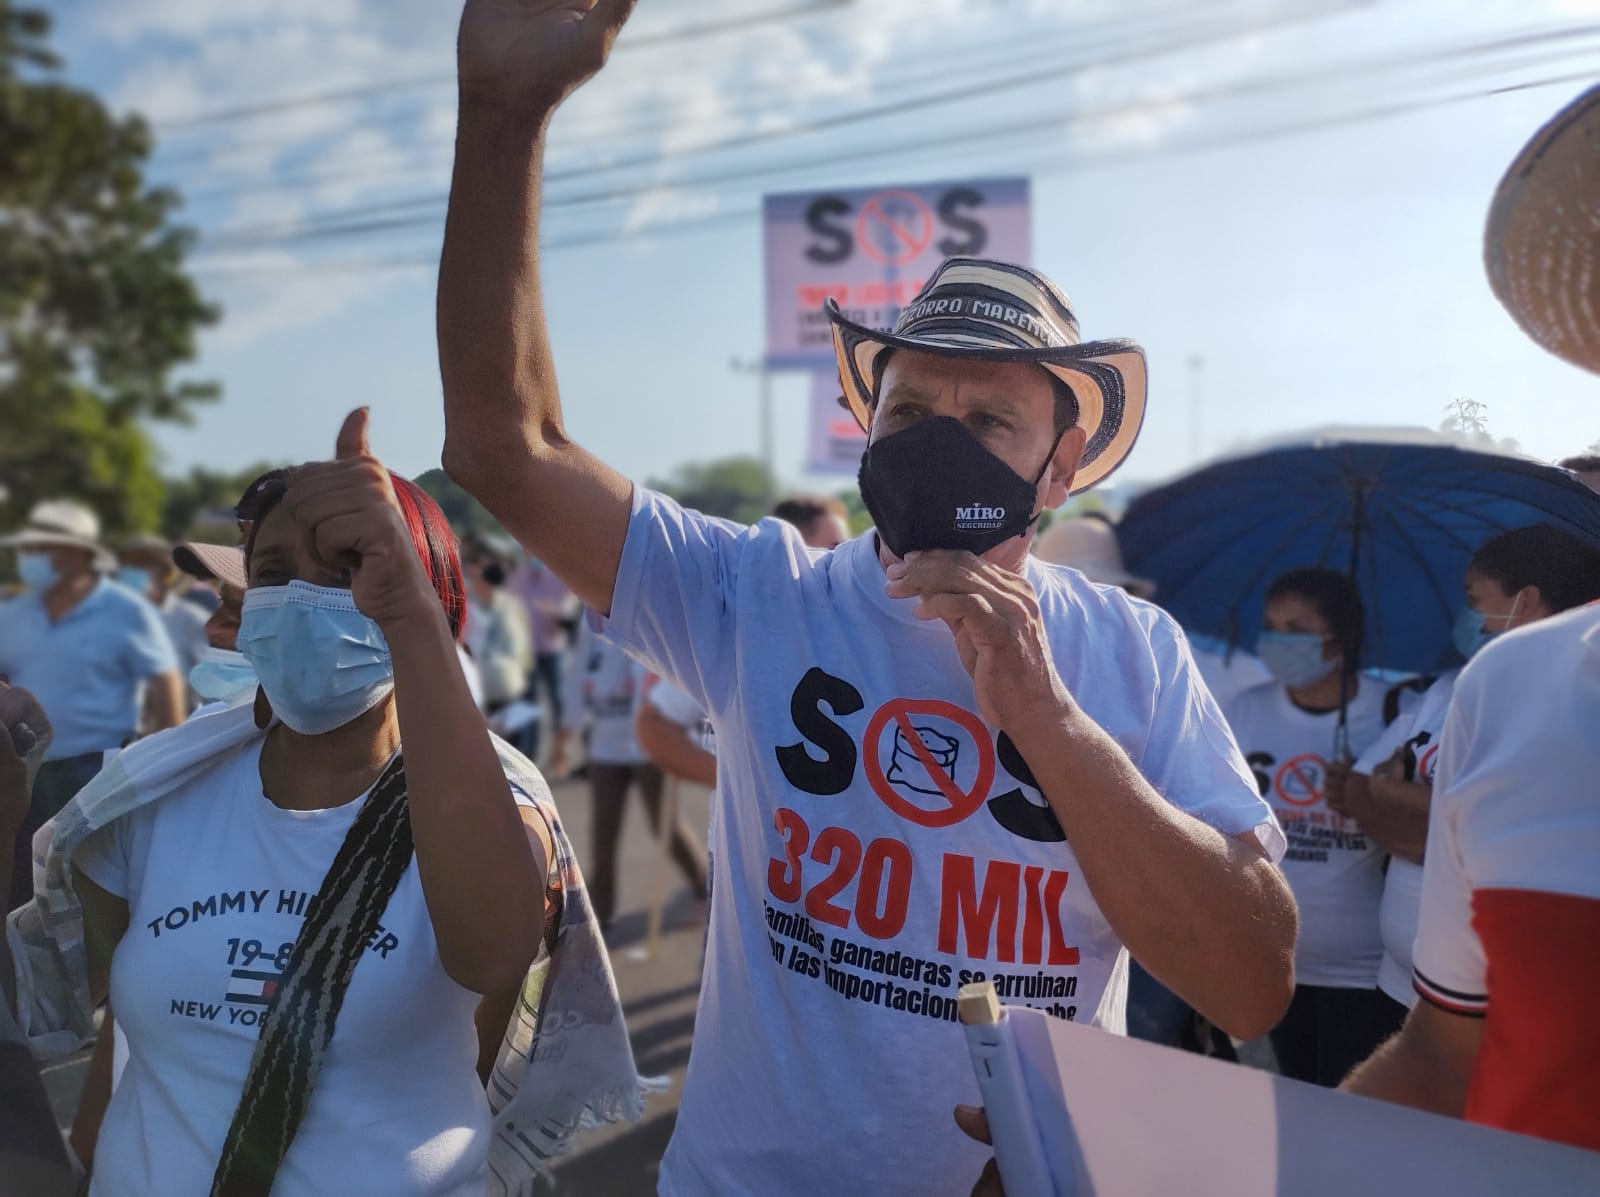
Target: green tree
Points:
(96, 312)
(200, 506)
(470, 518)
(1467, 421)
(734, 488)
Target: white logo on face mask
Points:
(979, 518)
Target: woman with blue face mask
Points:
(1287, 728)
(1515, 579)
(301, 938)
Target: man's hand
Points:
(349, 507)
(994, 616)
(525, 56)
(974, 1123)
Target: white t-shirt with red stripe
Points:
(1510, 923)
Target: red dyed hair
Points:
(436, 547)
(430, 533)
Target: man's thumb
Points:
(353, 436)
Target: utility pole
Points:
(758, 367)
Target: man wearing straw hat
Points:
(1505, 960)
(88, 650)
(938, 762)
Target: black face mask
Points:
(934, 486)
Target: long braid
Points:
(299, 1022)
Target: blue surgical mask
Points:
(37, 571)
(136, 580)
(222, 675)
(1294, 658)
(1472, 628)
(321, 661)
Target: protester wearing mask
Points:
(312, 909)
(1504, 954)
(222, 675)
(605, 688)
(910, 720)
(1516, 579)
(88, 650)
(146, 567)
(1289, 729)
(503, 647)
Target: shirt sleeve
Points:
(1396, 734)
(148, 650)
(106, 857)
(676, 706)
(1448, 959)
(1191, 757)
(673, 605)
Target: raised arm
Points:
(505, 440)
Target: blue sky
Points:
(1332, 274)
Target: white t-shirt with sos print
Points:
(217, 879)
(1335, 871)
(878, 845)
(1417, 733)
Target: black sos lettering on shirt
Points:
(1013, 811)
(834, 772)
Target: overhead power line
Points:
(403, 213)
(643, 41)
(358, 215)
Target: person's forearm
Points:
(1207, 914)
(91, 1113)
(473, 853)
(1427, 1066)
(672, 749)
(165, 700)
(505, 440)
(1397, 817)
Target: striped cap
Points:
(994, 311)
(1542, 244)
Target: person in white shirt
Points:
(605, 688)
(502, 647)
(146, 567)
(937, 759)
(1289, 730)
(218, 917)
(1515, 579)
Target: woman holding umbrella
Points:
(1515, 579)
(1288, 729)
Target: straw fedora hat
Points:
(994, 311)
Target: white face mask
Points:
(321, 661)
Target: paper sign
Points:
(872, 249)
(1119, 1116)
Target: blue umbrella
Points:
(1400, 510)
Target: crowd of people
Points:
(279, 835)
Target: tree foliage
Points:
(96, 311)
(734, 488)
